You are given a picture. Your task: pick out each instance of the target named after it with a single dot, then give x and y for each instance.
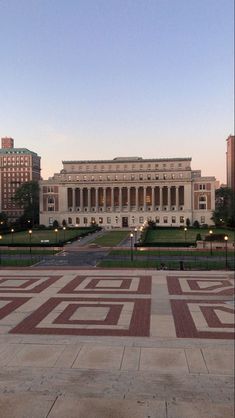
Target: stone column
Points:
(96, 199)
(112, 199)
(81, 199)
(104, 196)
(153, 199)
(177, 197)
(144, 198)
(120, 198)
(169, 197)
(128, 199)
(160, 197)
(89, 199)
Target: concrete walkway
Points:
(116, 344)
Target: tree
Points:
(27, 196)
(188, 222)
(224, 213)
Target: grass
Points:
(18, 262)
(37, 236)
(164, 252)
(171, 265)
(179, 235)
(111, 238)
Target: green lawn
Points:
(179, 235)
(170, 265)
(111, 238)
(23, 237)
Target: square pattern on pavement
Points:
(105, 304)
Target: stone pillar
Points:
(112, 199)
(104, 197)
(144, 198)
(169, 197)
(153, 199)
(160, 197)
(177, 197)
(128, 199)
(81, 199)
(89, 200)
(120, 198)
(96, 199)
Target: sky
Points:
(98, 79)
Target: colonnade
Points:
(111, 199)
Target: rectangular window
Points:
(141, 220)
(173, 220)
(165, 219)
(181, 219)
(108, 220)
(203, 220)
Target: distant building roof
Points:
(17, 151)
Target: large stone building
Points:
(230, 162)
(17, 166)
(125, 192)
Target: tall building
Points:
(126, 192)
(230, 162)
(17, 166)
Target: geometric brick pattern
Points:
(108, 284)
(89, 316)
(200, 286)
(203, 319)
(10, 304)
(24, 284)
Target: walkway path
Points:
(115, 344)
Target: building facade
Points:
(126, 192)
(17, 166)
(230, 162)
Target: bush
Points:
(198, 237)
(196, 224)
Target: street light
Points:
(56, 235)
(226, 251)
(0, 251)
(30, 236)
(185, 231)
(136, 238)
(211, 232)
(131, 236)
(64, 229)
(12, 231)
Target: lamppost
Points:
(64, 229)
(226, 251)
(136, 238)
(0, 251)
(185, 232)
(56, 235)
(12, 232)
(211, 232)
(131, 236)
(30, 236)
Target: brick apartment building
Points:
(17, 166)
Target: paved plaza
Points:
(95, 343)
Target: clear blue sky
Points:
(96, 79)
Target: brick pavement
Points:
(116, 343)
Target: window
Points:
(165, 219)
(84, 178)
(132, 177)
(157, 177)
(100, 220)
(141, 176)
(51, 200)
(149, 176)
(157, 219)
(108, 220)
(203, 219)
(141, 220)
(202, 202)
(173, 220)
(202, 186)
(182, 219)
(116, 219)
(85, 221)
(69, 221)
(164, 176)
